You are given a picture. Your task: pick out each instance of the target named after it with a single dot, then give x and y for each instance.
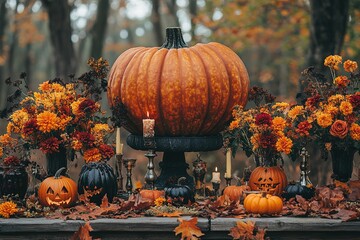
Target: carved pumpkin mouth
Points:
(58, 203)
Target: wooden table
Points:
(162, 228)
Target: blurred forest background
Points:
(276, 39)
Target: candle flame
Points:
(147, 114)
(215, 169)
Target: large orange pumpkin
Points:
(187, 90)
(268, 179)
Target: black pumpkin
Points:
(97, 179)
(13, 180)
(294, 189)
(180, 193)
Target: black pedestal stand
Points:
(173, 165)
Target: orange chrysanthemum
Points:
(324, 119)
(355, 131)
(284, 145)
(92, 155)
(350, 66)
(333, 61)
(328, 146)
(7, 209)
(1, 151)
(47, 121)
(278, 123)
(341, 81)
(295, 111)
(346, 108)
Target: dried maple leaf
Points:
(188, 229)
(83, 233)
(260, 234)
(355, 190)
(243, 230)
(346, 215)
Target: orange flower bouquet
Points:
(330, 112)
(262, 131)
(62, 117)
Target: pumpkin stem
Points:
(263, 194)
(181, 180)
(58, 172)
(174, 39)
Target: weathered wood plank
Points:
(289, 224)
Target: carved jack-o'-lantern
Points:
(271, 180)
(58, 191)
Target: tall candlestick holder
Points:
(121, 193)
(304, 177)
(150, 176)
(129, 164)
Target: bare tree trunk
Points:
(193, 13)
(60, 33)
(14, 41)
(156, 21)
(329, 19)
(171, 5)
(99, 28)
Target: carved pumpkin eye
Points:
(64, 190)
(50, 191)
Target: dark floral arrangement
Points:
(329, 111)
(59, 116)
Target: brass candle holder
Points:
(129, 164)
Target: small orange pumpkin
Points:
(151, 194)
(271, 180)
(58, 191)
(263, 203)
(235, 193)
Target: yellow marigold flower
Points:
(10, 128)
(355, 131)
(76, 145)
(341, 81)
(278, 123)
(7, 140)
(333, 61)
(101, 127)
(234, 124)
(335, 99)
(346, 108)
(92, 155)
(7, 209)
(284, 144)
(1, 152)
(324, 119)
(45, 86)
(295, 111)
(328, 146)
(19, 118)
(48, 121)
(159, 201)
(350, 66)
(27, 100)
(331, 109)
(280, 106)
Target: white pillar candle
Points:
(216, 176)
(228, 163)
(148, 127)
(119, 145)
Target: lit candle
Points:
(148, 127)
(228, 163)
(119, 145)
(216, 176)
